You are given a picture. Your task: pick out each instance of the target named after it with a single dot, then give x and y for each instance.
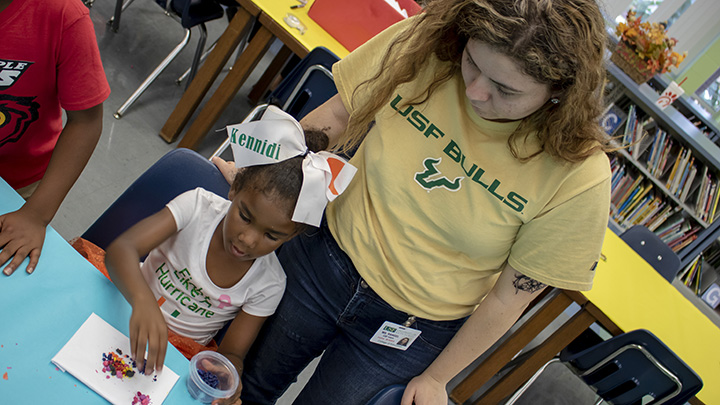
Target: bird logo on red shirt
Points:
(16, 112)
(16, 115)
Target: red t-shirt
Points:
(49, 61)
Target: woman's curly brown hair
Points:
(557, 42)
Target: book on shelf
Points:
(630, 125)
(659, 151)
(660, 218)
(627, 188)
(676, 173)
(612, 119)
(688, 183)
(692, 272)
(672, 228)
(635, 203)
(680, 240)
(707, 199)
(634, 133)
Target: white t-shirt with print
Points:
(192, 304)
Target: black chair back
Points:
(626, 368)
(651, 248)
(177, 171)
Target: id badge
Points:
(395, 335)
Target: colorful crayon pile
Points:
(116, 366)
(141, 399)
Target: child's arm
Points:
(22, 232)
(147, 325)
(237, 341)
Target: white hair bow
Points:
(277, 136)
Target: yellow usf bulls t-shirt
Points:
(439, 204)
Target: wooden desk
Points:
(627, 294)
(269, 14)
(41, 312)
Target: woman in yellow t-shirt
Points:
(482, 179)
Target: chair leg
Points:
(198, 54)
(240, 48)
(140, 90)
(114, 21)
(202, 59)
(529, 382)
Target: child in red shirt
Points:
(49, 62)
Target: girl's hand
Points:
(425, 390)
(148, 328)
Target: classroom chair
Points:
(177, 171)
(391, 395)
(309, 84)
(651, 248)
(305, 88)
(628, 369)
(190, 14)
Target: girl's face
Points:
(255, 225)
(496, 86)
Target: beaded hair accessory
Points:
(277, 136)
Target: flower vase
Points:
(626, 59)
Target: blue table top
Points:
(41, 312)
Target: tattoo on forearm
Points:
(525, 283)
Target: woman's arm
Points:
(493, 317)
(237, 341)
(330, 118)
(147, 325)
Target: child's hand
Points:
(223, 376)
(148, 328)
(22, 234)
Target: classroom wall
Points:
(701, 69)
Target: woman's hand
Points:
(148, 328)
(22, 234)
(425, 390)
(223, 375)
(227, 169)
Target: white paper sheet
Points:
(82, 356)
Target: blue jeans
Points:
(328, 309)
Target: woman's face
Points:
(496, 86)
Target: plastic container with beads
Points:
(212, 376)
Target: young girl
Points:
(211, 260)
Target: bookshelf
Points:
(668, 179)
(689, 108)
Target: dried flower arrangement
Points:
(644, 48)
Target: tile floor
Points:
(130, 145)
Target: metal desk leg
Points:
(206, 75)
(228, 88)
(263, 84)
(542, 354)
(509, 348)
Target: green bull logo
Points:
(428, 182)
